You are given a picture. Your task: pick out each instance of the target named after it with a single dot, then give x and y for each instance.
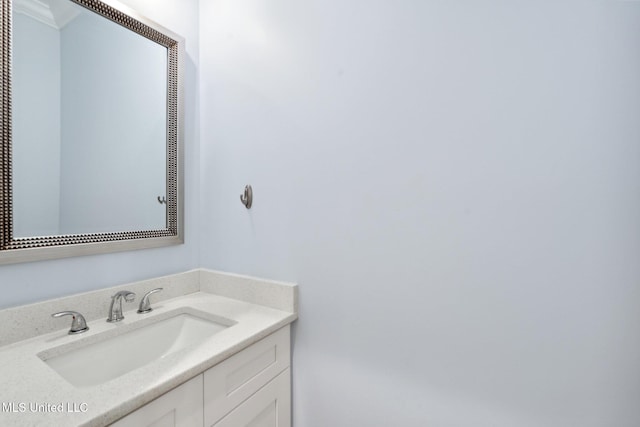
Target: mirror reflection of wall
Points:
(89, 123)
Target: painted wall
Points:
(456, 187)
(24, 283)
(36, 127)
(114, 91)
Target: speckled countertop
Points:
(32, 393)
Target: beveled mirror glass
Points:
(91, 136)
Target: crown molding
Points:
(54, 13)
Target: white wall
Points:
(36, 127)
(24, 283)
(456, 187)
(114, 92)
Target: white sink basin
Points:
(115, 356)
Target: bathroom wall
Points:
(36, 127)
(456, 188)
(24, 283)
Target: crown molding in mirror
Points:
(26, 249)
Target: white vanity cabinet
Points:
(249, 389)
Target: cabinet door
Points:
(268, 407)
(234, 380)
(180, 407)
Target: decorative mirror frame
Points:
(25, 249)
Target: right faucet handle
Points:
(145, 305)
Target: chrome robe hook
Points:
(247, 197)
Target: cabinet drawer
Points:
(232, 381)
(269, 407)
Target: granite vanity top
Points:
(32, 393)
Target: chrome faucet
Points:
(115, 310)
(145, 305)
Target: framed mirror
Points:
(92, 112)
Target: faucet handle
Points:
(78, 324)
(145, 305)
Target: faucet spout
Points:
(115, 309)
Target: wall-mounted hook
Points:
(162, 201)
(247, 197)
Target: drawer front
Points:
(269, 407)
(232, 381)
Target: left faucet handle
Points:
(78, 324)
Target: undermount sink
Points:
(115, 356)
